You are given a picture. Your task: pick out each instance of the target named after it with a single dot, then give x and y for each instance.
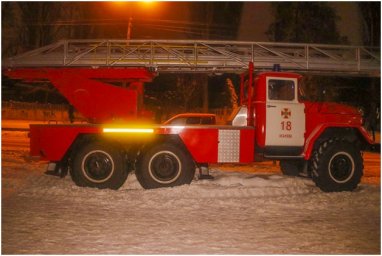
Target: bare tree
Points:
(29, 25)
(304, 22)
(232, 94)
(371, 18)
(188, 88)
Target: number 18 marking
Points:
(286, 125)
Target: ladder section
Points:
(203, 56)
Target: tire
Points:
(291, 167)
(164, 165)
(99, 165)
(337, 165)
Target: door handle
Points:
(271, 106)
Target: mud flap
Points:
(204, 172)
(56, 169)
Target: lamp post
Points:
(129, 27)
(130, 14)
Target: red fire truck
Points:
(322, 140)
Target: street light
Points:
(146, 3)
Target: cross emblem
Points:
(286, 113)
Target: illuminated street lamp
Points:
(130, 19)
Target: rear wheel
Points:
(164, 165)
(337, 165)
(99, 165)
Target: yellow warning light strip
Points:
(127, 130)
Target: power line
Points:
(93, 22)
(177, 26)
(189, 32)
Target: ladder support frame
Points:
(203, 56)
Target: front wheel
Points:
(99, 165)
(164, 165)
(337, 165)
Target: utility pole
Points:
(129, 27)
(208, 21)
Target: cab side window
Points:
(281, 90)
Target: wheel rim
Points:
(165, 167)
(341, 167)
(97, 166)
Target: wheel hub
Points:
(97, 166)
(341, 167)
(165, 167)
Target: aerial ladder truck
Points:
(323, 140)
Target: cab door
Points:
(285, 118)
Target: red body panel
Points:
(51, 142)
(202, 144)
(31, 74)
(205, 144)
(315, 134)
(247, 146)
(99, 101)
(320, 116)
(259, 105)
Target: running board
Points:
(283, 157)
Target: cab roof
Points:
(279, 74)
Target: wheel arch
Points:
(84, 139)
(165, 138)
(356, 135)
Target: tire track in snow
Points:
(223, 187)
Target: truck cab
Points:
(279, 115)
(317, 139)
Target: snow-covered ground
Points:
(252, 211)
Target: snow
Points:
(238, 212)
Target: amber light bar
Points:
(128, 130)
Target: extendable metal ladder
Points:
(203, 56)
